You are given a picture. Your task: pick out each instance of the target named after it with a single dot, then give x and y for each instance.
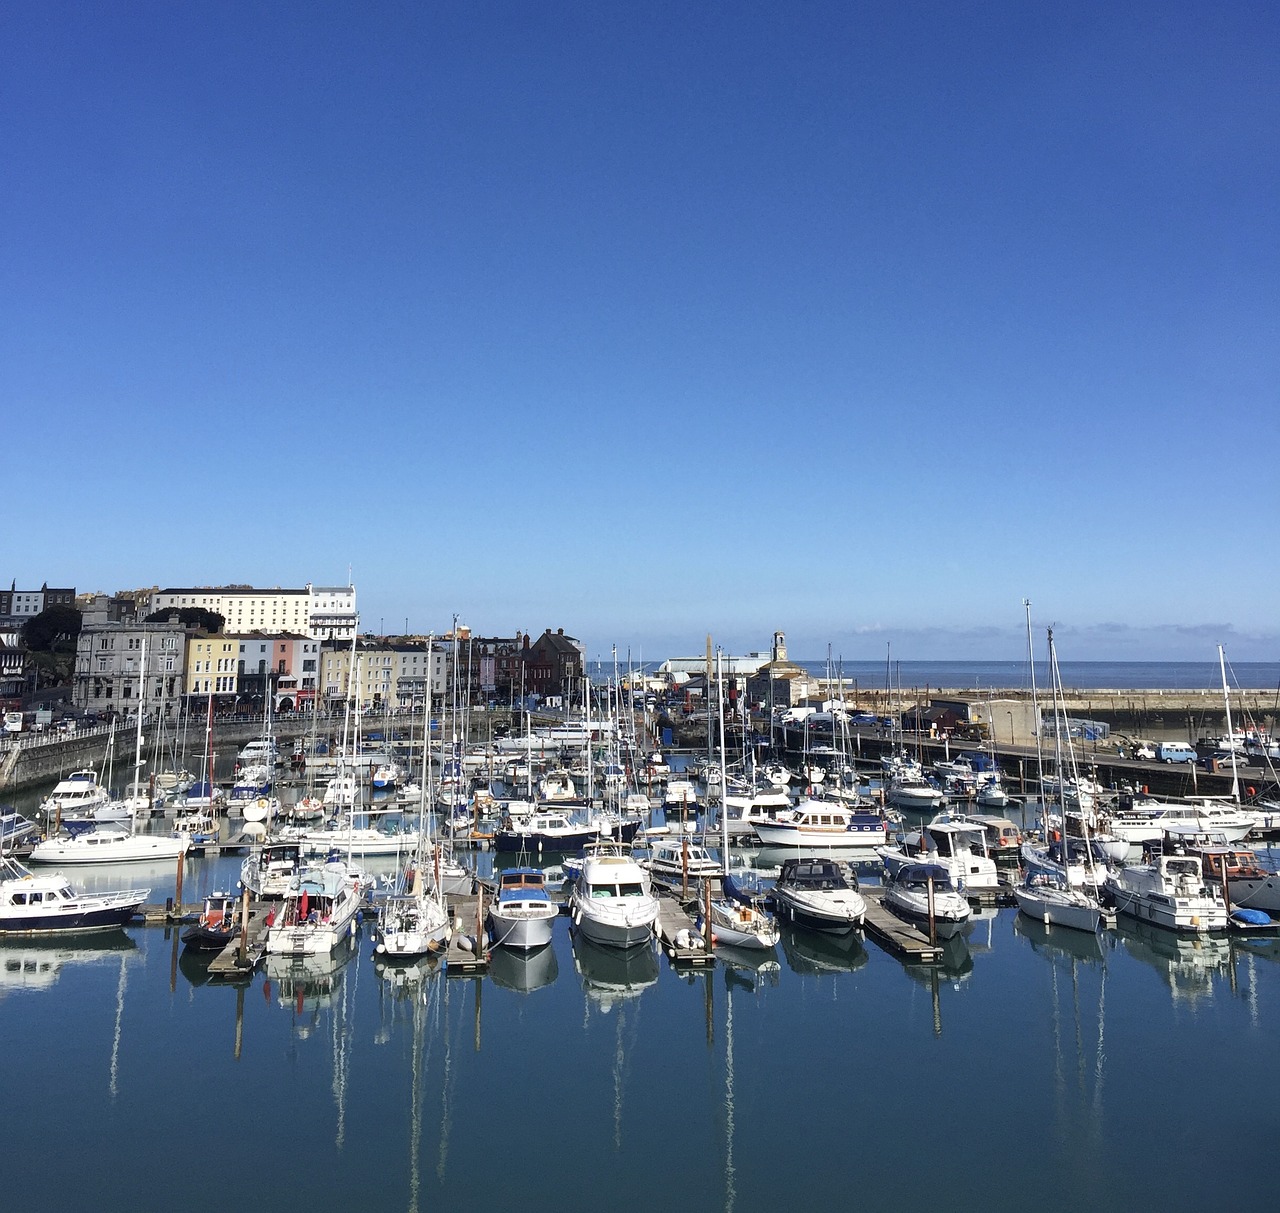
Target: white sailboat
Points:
(1044, 895)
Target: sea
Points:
(1035, 1068)
(980, 676)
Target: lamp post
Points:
(1010, 715)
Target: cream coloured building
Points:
(324, 612)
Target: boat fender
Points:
(682, 938)
(466, 943)
(1252, 791)
(359, 916)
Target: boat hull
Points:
(524, 931)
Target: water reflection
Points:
(36, 964)
(1186, 963)
(524, 971)
(749, 968)
(1062, 941)
(822, 952)
(613, 975)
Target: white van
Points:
(1175, 751)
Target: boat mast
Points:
(1231, 738)
(1035, 716)
(724, 776)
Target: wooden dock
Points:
(227, 966)
(460, 961)
(896, 936)
(673, 920)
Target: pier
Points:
(674, 923)
(467, 915)
(894, 935)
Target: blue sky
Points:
(862, 321)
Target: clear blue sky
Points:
(862, 321)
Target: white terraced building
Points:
(321, 612)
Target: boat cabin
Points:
(813, 874)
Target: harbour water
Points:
(1036, 1069)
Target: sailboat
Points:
(413, 921)
(725, 921)
(1044, 895)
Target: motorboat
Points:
(550, 830)
(268, 871)
(914, 793)
(1169, 892)
(108, 844)
(216, 927)
(522, 914)
(822, 825)
(677, 861)
(14, 828)
(743, 807)
(609, 902)
(317, 913)
(40, 903)
(76, 796)
(815, 892)
(959, 846)
(924, 893)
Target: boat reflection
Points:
(954, 966)
(613, 975)
(1187, 963)
(36, 964)
(819, 952)
(1087, 946)
(749, 968)
(524, 971)
(307, 983)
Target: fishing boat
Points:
(40, 904)
(924, 893)
(269, 870)
(522, 915)
(549, 830)
(216, 927)
(609, 903)
(816, 893)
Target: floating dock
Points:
(673, 919)
(460, 961)
(227, 965)
(896, 936)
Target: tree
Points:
(190, 617)
(55, 628)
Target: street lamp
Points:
(1010, 715)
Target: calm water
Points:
(1035, 1070)
(1015, 675)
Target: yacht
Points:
(1047, 899)
(822, 825)
(108, 844)
(39, 904)
(75, 796)
(413, 923)
(959, 846)
(675, 861)
(734, 924)
(609, 902)
(522, 915)
(317, 913)
(1169, 892)
(816, 893)
(268, 872)
(909, 895)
